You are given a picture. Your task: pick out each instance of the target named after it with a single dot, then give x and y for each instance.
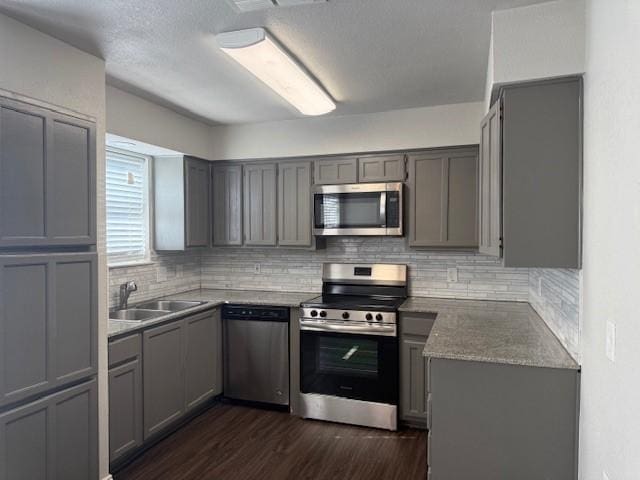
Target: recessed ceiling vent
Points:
(252, 5)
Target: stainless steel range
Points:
(349, 345)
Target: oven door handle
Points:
(380, 330)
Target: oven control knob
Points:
(368, 316)
(323, 313)
(379, 317)
(345, 315)
(314, 313)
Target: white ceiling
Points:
(370, 55)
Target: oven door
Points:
(359, 209)
(356, 366)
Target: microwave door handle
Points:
(383, 209)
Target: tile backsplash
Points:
(478, 276)
(554, 293)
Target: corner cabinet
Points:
(259, 210)
(181, 207)
(414, 331)
(47, 177)
(294, 204)
(531, 175)
(226, 185)
(443, 190)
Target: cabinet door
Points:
(163, 371)
(490, 183)
(381, 168)
(443, 198)
(294, 204)
(201, 354)
(336, 171)
(47, 177)
(227, 204)
(413, 380)
(55, 437)
(196, 202)
(125, 407)
(260, 204)
(48, 322)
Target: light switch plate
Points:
(452, 275)
(611, 341)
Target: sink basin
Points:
(136, 314)
(169, 305)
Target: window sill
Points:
(139, 263)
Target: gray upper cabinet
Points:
(181, 202)
(196, 202)
(201, 355)
(443, 198)
(382, 168)
(294, 204)
(48, 322)
(55, 437)
(47, 177)
(336, 170)
(125, 395)
(260, 204)
(163, 371)
(542, 174)
(490, 182)
(227, 204)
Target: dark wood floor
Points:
(233, 442)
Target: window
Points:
(127, 194)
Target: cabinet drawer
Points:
(416, 323)
(124, 348)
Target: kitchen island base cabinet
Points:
(55, 437)
(495, 421)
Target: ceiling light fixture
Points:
(259, 53)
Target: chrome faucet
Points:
(126, 289)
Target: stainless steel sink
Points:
(136, 314)
(169, 305)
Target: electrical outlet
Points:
(452, 275)
(179, 271)
(256, 268)
(539, 286)
(611, 341)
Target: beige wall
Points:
(610, 417)
(399, 129)
(35, 65)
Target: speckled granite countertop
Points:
(213, 298)
(489, 331)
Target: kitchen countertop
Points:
(213, 298)
(489, 331)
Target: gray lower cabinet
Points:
(163, 367)
(54, 437)
(181, 368)
(47, 179)
(260, 203)
(181, 203)
(294, 204)
(494, 421)
(48, 322)
(414, 331)
(443, 194)
(125, 395)
(531, 175)
(382, 168)
(226, 185)
(336, 170)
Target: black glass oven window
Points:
(348, 210)
(348, 356)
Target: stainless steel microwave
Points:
(358, 209)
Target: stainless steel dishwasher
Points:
(256, 366)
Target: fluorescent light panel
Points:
(259, 53)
